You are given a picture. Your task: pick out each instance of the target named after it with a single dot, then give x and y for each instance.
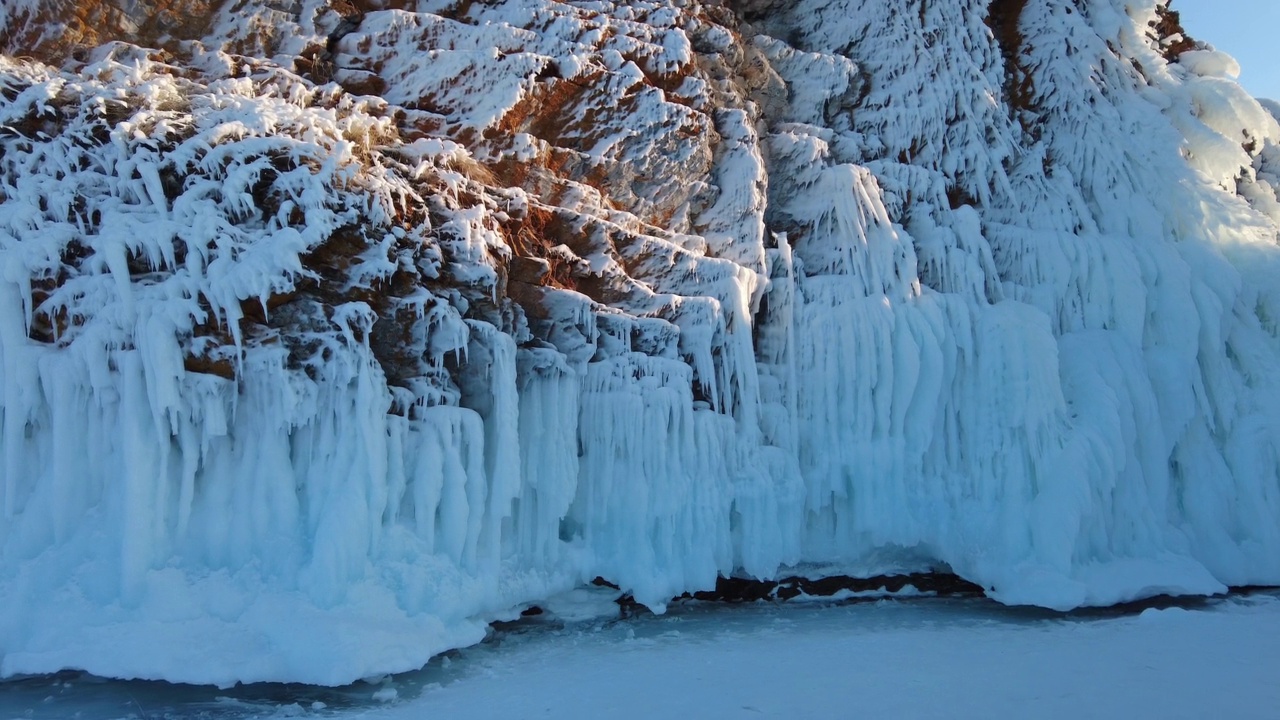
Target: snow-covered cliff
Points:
(331, 332)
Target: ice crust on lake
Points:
(931, 658)
(939, 659)
(303, 383)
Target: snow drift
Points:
(331, 333)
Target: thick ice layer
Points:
(295, 387)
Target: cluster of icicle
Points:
(915, 326)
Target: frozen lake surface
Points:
(891, 658)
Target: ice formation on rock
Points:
(331, 333)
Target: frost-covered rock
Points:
(332, 332)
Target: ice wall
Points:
(314, 365)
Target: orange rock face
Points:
(57, 30)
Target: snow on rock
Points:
(332, 332)
(1210, 63)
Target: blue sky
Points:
(1249, 30)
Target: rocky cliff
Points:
(331, 331)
